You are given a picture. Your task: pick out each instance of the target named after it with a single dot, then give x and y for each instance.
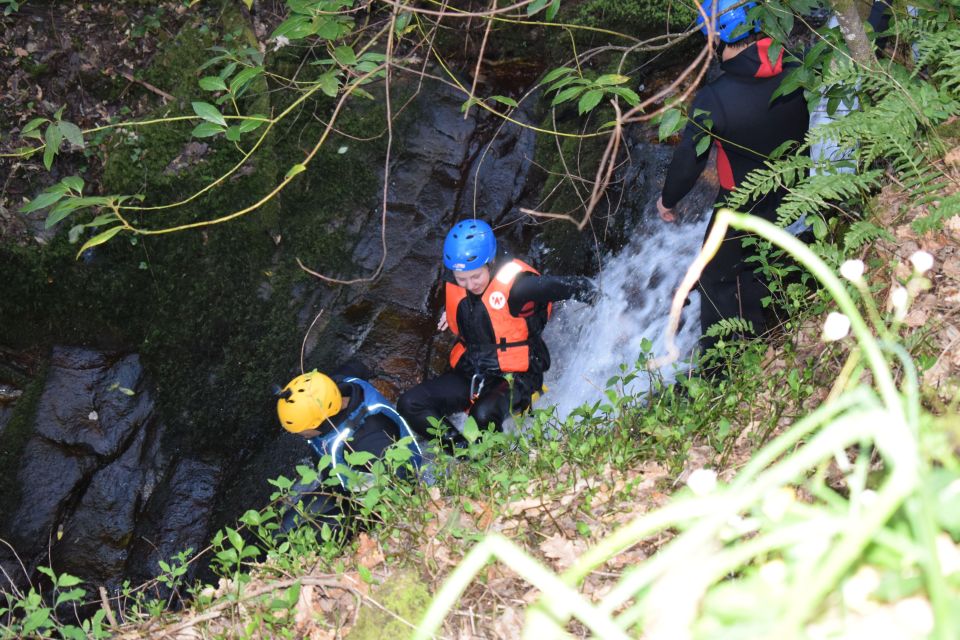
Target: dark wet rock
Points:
(176, 517)
(96, 537)
(500, 169)
(87, 400)
(51, 479)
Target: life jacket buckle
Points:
(476, 386)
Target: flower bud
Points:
(836, 327)
(922, 261)
(852, 270)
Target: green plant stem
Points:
(561, 598)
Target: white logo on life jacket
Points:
(498, 300)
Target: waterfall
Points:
(588, 344)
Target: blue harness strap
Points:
(373, 403)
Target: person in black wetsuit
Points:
(336, 415)
(497, 307)
(746, 127)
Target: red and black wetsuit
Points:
(746, 127)
(449, 393)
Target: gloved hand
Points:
(589, 293)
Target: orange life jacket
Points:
(511, 332)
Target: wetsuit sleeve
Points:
(531, 289)
(686, 165)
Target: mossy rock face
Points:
(404, 596)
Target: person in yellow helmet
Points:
(337, 415)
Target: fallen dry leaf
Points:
(369, 554)
(564, 551)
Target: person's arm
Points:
(686, 166)
(530, 290)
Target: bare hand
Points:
(442, 325)
(667, 215)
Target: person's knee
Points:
(487, 413)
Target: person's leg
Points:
(435, 398)
(499, 398)
(720, 285)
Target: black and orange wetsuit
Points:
(498, 332)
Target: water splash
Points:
(588, 344)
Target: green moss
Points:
(635, 17)
(404, 598)
(14, 438)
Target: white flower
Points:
(93, 416)
(342, 150)
(899, 298)
(852, 270)
(702, 481)
(281, 42)
(773, 573)
(922, 261)
(836, 327)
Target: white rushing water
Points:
(588, 344)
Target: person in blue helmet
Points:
(338, 414)
(746, 124)
(497, 307)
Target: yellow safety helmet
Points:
(307, 401)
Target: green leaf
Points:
(329, 83)
(243, 78)
(234, 536)
(553, 9)
(102, 219)
(247, 126)
(470, 430)
(555, 74)
(295, 170)
(73, 595)
(74, 183)
(703, 144)
(248, 4)
(212, 83)
(60, 212)
(629, 95)
(53, 137)
(566, 94)
(71, 132)
(233, 134)
(358, 458)
(42, 201)
(611, 79)
(510, 102)
(209, 113)
(206, 129)
(403, 22)
(295, 28)
(536, 6)
(328, 28)
(344, 55)
(33, 125)
(670, 123)
(589, 100)
(365, 574)
(100, 238)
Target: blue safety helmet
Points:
(469, 245)
(727, 21)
